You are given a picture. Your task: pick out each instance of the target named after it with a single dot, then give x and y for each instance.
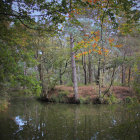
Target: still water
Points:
(29, 119)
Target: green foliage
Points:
(37, 90)
(69, 83)
(128, 100)
(131, 100)
(62, 97)
(136, 88)
(111, 99)
(3, 104)
(84, 100)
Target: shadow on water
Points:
(28, 119)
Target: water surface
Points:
(28, 119)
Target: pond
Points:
(29, 119)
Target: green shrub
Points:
(3, 104)
(69, 83)
(116, 83)
(84, 100)
(128, 100)
(137, 90)
(63, 93)
(111, 99)
(61, 97)
(54, 98)
(131, 100)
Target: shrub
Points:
(128, 100)
(54, 98)
(85, 100)
(131, 100)
(69, 83)
(3, 104)
(61, 97)
(111, 99)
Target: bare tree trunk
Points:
(99, 83)
(60, 77)
(129, 76)
(79, 79)
(25, 73)
(123, 74)
(84, 68)
(89, 68)
(73, 65)
(41, 77)
(98, 73)
(40, 70)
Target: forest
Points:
(71, 51)
(70, 69)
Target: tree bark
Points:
(123, 74)
(73, 65)
(60, 77)
(84, 68)
(89, 68)
(98, 73)
(129, 76)
(41, 76)
(99, 65)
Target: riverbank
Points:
(3, 104)
(89, 94)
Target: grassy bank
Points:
(3, 104)
(89, 95)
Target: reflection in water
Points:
(31, 120)
(20, 123)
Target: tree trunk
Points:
(79, 79)
(129, 76)
(41, 75)
(89, 68)
(98, 73)
(99, 70)
(25, 73)
(84, 68)
(60, 77)
(73, 65)
(123, 74)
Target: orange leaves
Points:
(97, 38)
(90, 1)
(106, 50)
(97, 33)
(118, 46)
(89, 51)
(94, 45)
(85, 52)
(111, 40)
(99, 52)
(86, 35)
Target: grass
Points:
(3, 104)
